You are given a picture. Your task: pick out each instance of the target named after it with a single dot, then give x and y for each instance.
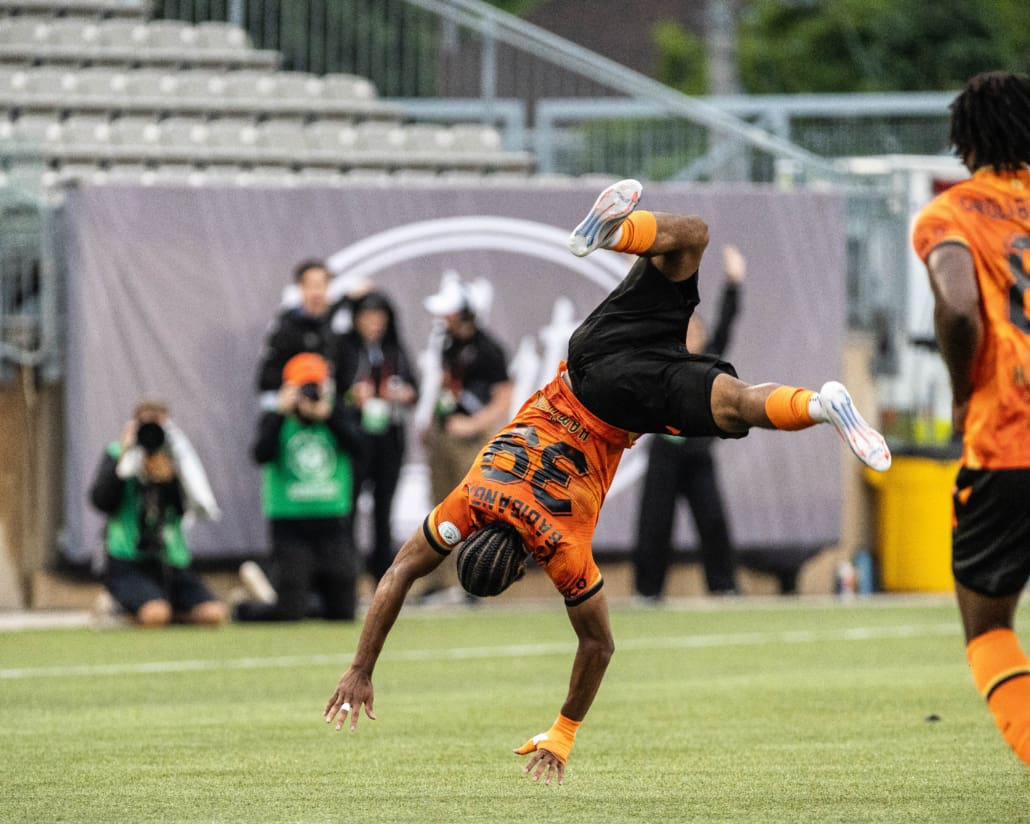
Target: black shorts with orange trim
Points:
(991, 537)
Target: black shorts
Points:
(133, 584)
(629, 364)
(990, 542)
(650, 390)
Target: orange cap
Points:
(307, 367)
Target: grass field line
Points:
(502, 651)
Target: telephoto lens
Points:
(150, 436)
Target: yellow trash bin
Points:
(914, 523)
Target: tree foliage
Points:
(681, 57)
(878, 45)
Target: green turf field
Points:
(765, 712)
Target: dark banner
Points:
(170, 292)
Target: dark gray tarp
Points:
(170, 292)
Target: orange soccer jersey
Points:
(990, 215)
(546, 473)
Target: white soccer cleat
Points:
(612, 206)
(867, 444)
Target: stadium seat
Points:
(86, 138)
(337, 137)
(327, 175)
(81, 171)
(201, 85)
(152, 85)
(476, 137)
(49, 87)
(284, 137)
(373, 135)
(24, 32)
(99, 83)
(347, 87)
(213, 34)
(137, 138)
(37, 130)
(73, 33)
(429, 138)
(185, 139)
(172, 35)
(250, 85)
(127, 36)
(298, 86)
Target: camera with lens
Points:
(311, 391)
(150, 437)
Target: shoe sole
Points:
(865, 442)
(612, 206)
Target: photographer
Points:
(304, 447)
(145, 484)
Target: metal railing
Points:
(29, 292)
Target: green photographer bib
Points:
(311, 476)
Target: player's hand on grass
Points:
(544, 763)
(353, 691)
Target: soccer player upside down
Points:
(537, 487)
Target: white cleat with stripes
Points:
(867, 444)
(612, 206)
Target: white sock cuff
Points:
(815, 409)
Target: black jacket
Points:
(293, 332)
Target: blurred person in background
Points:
(305, 447)
(306, 327)
(145, 484)
(685, 467)
(376, 380)
(975, 241)
(473, 399)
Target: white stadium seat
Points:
(213, 34)
(332, 136)
(348, 87)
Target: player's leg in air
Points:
(675, 244)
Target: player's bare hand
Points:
(353, 691)
(544, 764)
(734, 264)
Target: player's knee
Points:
(154, 614)
(732, 404)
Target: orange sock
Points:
(787, 408)
(1001, 671)
(638, 233)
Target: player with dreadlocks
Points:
(975, 241)
(537, 488)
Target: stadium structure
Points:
(162, 165)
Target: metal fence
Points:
(579, 112)
(29, 288)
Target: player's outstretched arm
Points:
(550, 750)
(415, 559)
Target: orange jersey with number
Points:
(546, 473)
(990, 215)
